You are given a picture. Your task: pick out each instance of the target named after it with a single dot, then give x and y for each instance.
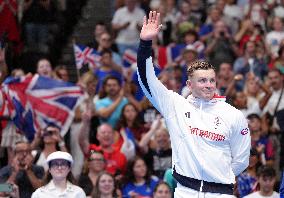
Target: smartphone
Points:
(6, 187)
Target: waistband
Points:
(203, 186)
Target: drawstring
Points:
(200, 110)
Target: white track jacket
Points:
(210, 139)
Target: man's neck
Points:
(265, 194)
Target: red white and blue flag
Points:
(169, 54)
(34, 102)
(85, 55)
(129, 57)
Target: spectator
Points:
(221, 47)
(159, 156)
(106, 187)
(105, 42)
(274, 37)
(22, 172)
(107, 68)
(100, 28)
(224, 77)
(131, 123)
(162, 190)
(127, 23)
(51, 141)
(59, 180)
(250, 63)
(44, 68)
(279, 62)
(260, 141)
(247, 180)
(94, 166)
(61, 73)
(110, 106)
(138, 180)
(266, 177)
(115, 160)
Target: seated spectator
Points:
(138, 181)
(46, 142)
(162, 190)
(247, 180)
(94, 166)
(115, 160)
(266, 178)
(225, 76)
(59, 181)
(106, 187)
(22, 172)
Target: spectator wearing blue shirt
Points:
(138, 181)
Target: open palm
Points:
(150, 27)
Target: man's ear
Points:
(188, 83)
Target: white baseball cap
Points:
(60, 155)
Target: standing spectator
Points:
(44, 68)
(107, 68)
(61, 73)
(138, 180)
(221, 47)
(224, 77)
(115, 160)
(59, 180)
(127, 23)
(274, 37)
(50, 140)
(105, 42)
(22, 172)
(279, 62)
(266, 177)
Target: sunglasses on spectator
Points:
(59, 163)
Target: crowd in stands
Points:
(119, 144)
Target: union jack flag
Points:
(129, 57)
(85, 55)
(34, 102)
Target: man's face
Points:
(112, 87)
(106, 59)
(225, 70)
(266, 184)
(21, 151)
(202, 83)
(105, 135)
(275, 80)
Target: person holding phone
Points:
(22, 172)
(9, 190)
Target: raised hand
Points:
(151, 27)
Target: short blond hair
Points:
(198, 65)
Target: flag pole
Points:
(77, 70)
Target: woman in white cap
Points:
(59, 180)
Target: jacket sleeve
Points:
(155, 91)
(240, 142)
